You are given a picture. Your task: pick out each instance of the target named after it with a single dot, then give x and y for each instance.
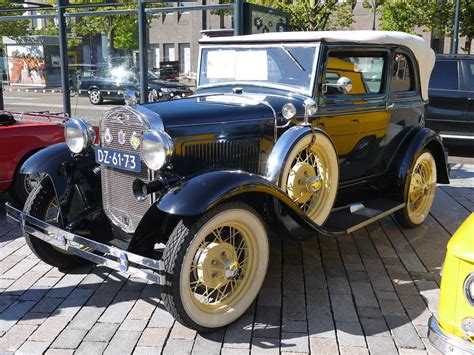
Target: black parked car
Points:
(450, 110)
(111, 84)
(289, 133)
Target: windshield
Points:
(291, 66)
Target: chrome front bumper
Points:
(446, 343)
(98, 253)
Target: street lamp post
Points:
(454, 49)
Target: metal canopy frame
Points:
(141, 11)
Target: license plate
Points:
(118, 159)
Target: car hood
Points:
(208, 110)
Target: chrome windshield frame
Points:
(307, 92)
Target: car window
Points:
(402, 74)
(470, 75)
(364, 70)
(445, 75)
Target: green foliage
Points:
(11, 28)
(313, 15)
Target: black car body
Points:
(111, 84)
(450, 110)
(300, 133)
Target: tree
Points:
(313, 15)
(11, 28)
(436, 16)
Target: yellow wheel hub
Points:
(217, 265)
(302, 182)
(421, 189)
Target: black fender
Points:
(417, 140)
(67, 172)
(282, 148)
(198, 194)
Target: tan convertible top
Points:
(422, 51)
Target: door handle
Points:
(389, 106)
(356, 120)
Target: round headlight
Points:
(469, 289)
(288, 111)
(79, 135)
(156, 148)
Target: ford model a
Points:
(294, 134)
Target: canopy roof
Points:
(422, 51)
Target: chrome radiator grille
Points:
(240, 154)
(120, 204)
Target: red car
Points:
(21, 135)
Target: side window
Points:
(402, 74)
(470, 74)
(445, 75)
(365, 70)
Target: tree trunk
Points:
(467, 46)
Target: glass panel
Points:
(365, 71)
(445, 75)
(470, 75)
(289, 66)
(402, 79)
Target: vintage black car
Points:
(450, 110)
(293, 134)
(111, 84)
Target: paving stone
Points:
(154, 337)
(161, 318)
(15, 337)
(294, 342)
(46, 305)
(353, 350)
(350, 334)
(343, 308)
(369, 312)
(101, 332)
(142, 309)
(121, 305)
(363, 294)
(404, 333)
(86, 317)
(321, 327)
(33, 347)
(13, 313)
(59, 352)
(381, 345)
(323, 346)
(374, 327)
(123, 342)
(295, 326)
(69, 338)
(179, 331)
(50, 329)
(178, 346)
(91, 348)
(146, 350)
(238, 334)
(269, 296)
(73, 303)
(208, 343)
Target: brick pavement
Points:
(371, 292)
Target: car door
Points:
(469, 75)
(446, 111)
(357, 120)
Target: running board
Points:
(354, 217)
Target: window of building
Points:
(445, 75)
(402, 74)
(169, 54)
(365, 70)
(184, 58)
(470, 75)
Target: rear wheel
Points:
(43, 204)
(420, 190)
(95, 97)
(215, 266)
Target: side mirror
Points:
(344, 84)
(130, 97)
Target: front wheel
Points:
(420, 189)
(43, 204)
(215, 266)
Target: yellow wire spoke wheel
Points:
(311, 175)
(222, 269)
(420, 191)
